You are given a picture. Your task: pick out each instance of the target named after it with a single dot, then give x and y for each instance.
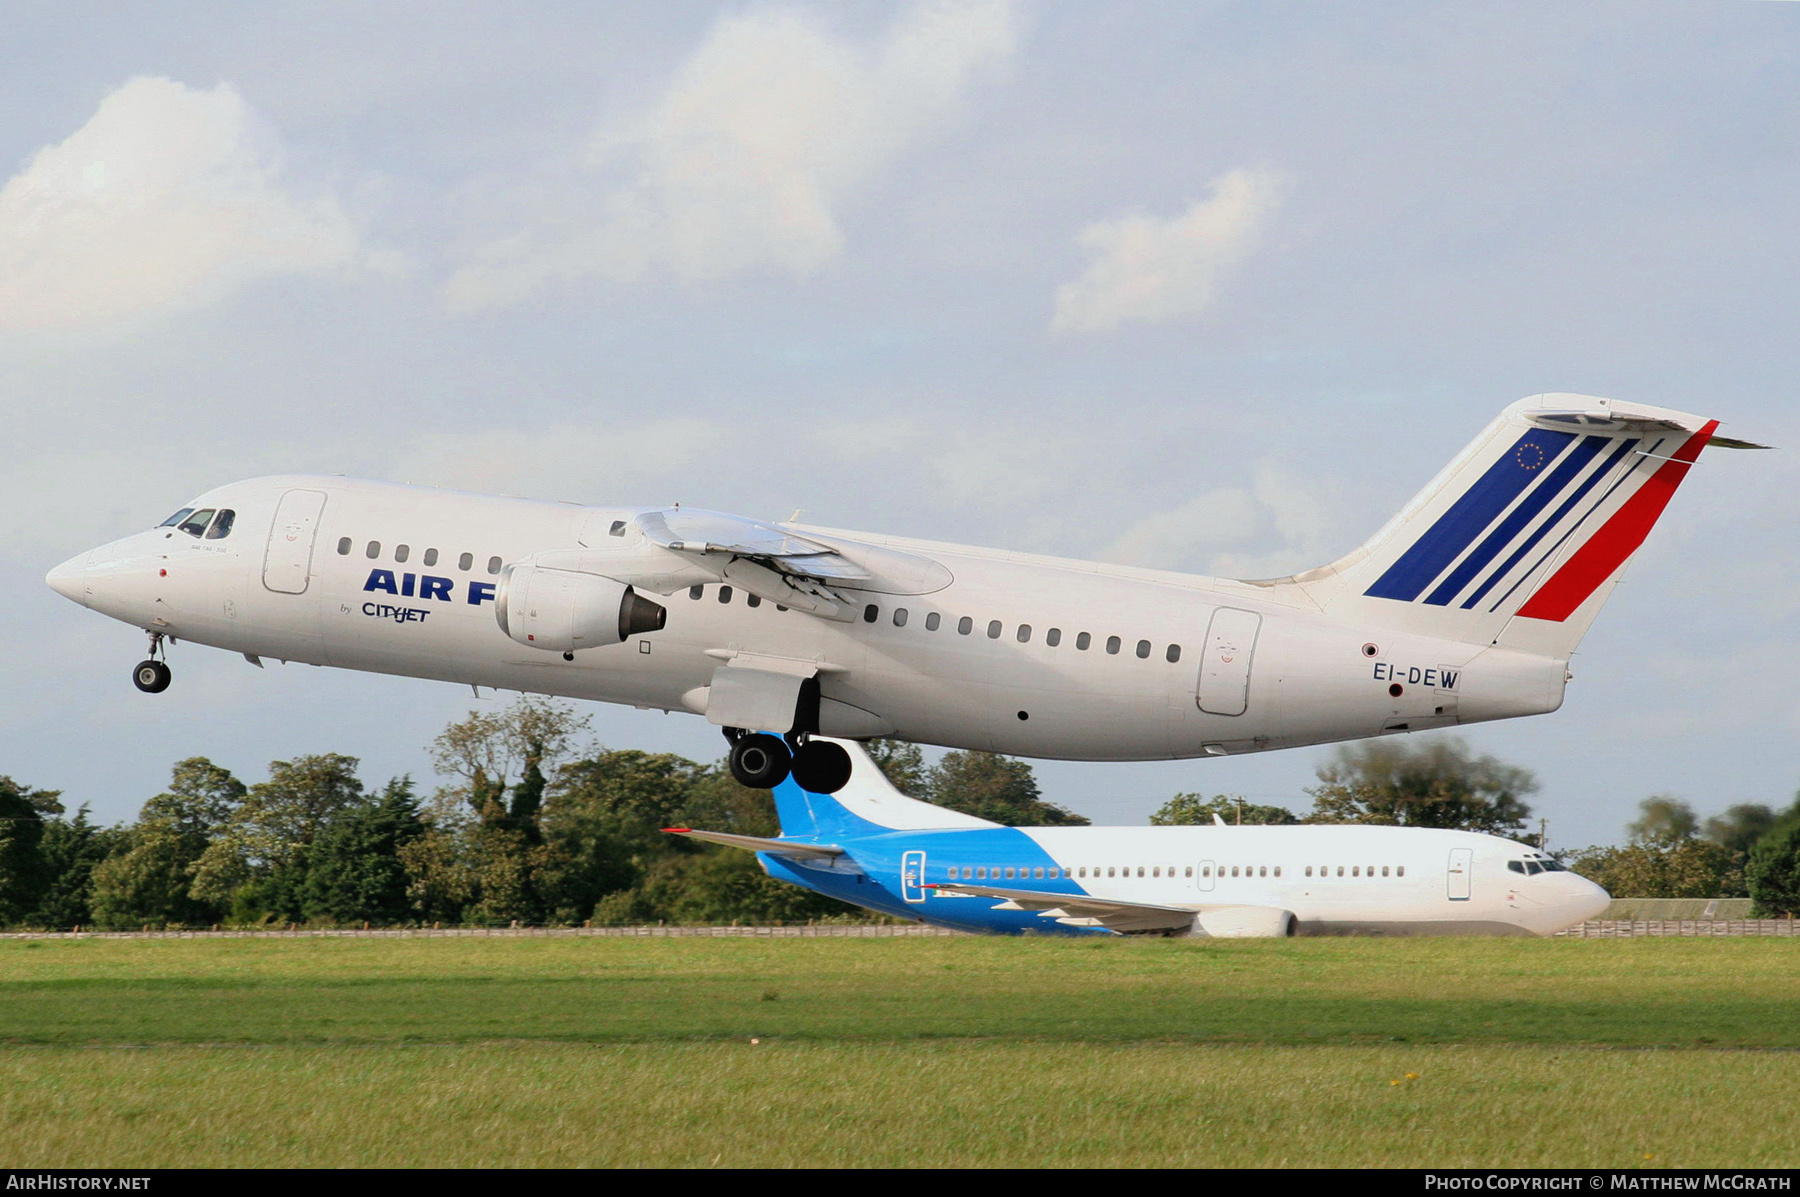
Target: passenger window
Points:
(993, 629)
(1400, 871)
(1112, 645)
(871, 613)
(1263, 871)
(617, 529)
(343, 546)
(899, 617)
(1174, 654)
(1278, 870)
(401, 553)
(965, 625)
(981, 872)
(1083, 871)
(932, 621)
(1055, 873)
(431, 557)
(175, 520)
(1309, 870)
(1188, 872)
(1082, 641)
(724, 594)
(1009, 873)
(1024, 633)
(1384, 870)
(221, 525)
(750, 600)
(694, 592)
(1156, 872)
(1340, 870)
(1037, 872)
(1053, 637)
(196, 523)
(466, 562)
(1111, 870)
(493, 565)
(1143, 650)
(373, 551)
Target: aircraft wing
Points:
(757, 843)
(1081, 910)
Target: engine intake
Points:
(559, 610)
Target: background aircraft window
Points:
(1263, 871)
(871, 613)
(993, 629)
(1083, 870)
(373, 551)
(899, 617)
(1340, 870)
(1053, 637)
(466, 561)
(1206, 871)
(343, 546)
(1024, 633)
(1082, 641)
(1384, 870)
(724, 594)
(1355, 871)
(493, 565)
(1009, 872)
(1174, 653)
(617, 529)
(221, 525)
(932, 621)
(176, 519)
(430, 556)
(1234, 870)
(1309, 870)
(1157, 871)
(1188, 872)
(1110, 871)
(1038, 871)
(695, 592)
(402, 552)
(965, 625)
(750, 600)
(1278, 870)
(1143, 650)
(196, 523)
(981, 872)
(1112, 645)
(1055, 873)
(1400, 871)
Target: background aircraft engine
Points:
(561, 611)
(1246, 922)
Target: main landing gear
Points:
(762, 762)
(152, 675)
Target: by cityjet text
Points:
(1730, 1182)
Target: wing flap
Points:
(1081, 909)
(757, 843)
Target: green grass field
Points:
(1662, 1052)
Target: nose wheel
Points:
(152, 676)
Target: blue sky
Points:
(1213, 287)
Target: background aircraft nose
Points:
(70, 578)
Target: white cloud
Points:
(746, 159)
(628, 462)
(168, 197)
(1150, 269)
(1273, 527)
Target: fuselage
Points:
(988, 649)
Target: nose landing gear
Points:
(152, 675)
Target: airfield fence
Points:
(1716, 928)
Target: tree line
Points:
(533, 825)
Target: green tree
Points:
(1740, 827)
(24, 874)
(1663, 819)
(150, 881)
(1000, 788)
(1772, 874)
(354, 871)
(1191, 809)
(72, 849)
(1686, 868)
(904, 765)
(1436, 782)
(256, 864)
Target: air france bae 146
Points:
(1465, 607)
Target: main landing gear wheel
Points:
(152, 677)
(821, 767)
(759, 761)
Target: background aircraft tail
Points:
(1520, 540)
(867, 805)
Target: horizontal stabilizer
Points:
(757, 843)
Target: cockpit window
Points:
(195, 524)
(1517, 866)
(1551, 866)
(1533, 867)
(221, 525)
(175, 519)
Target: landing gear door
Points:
(287, 563)
(912, 876)
(1462, 861)
(1224, 686)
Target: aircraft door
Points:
(1224, 686)
(1461, 865)
(1204, 877)
(287, 562)
(912, 876)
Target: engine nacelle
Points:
(559, 610)
(1246, 922)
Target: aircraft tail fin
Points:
(867, 805)
(1519, 541)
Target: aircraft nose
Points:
(1585, 900)
(70, 578)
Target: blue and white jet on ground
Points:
(873, 846)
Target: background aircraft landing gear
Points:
(820, 767)
(759, 761)
(152, 676)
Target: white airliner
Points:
(1464, 607)
(871, 845)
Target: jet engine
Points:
(559, 610)
(1245, 922)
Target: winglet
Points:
(1218, 822)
